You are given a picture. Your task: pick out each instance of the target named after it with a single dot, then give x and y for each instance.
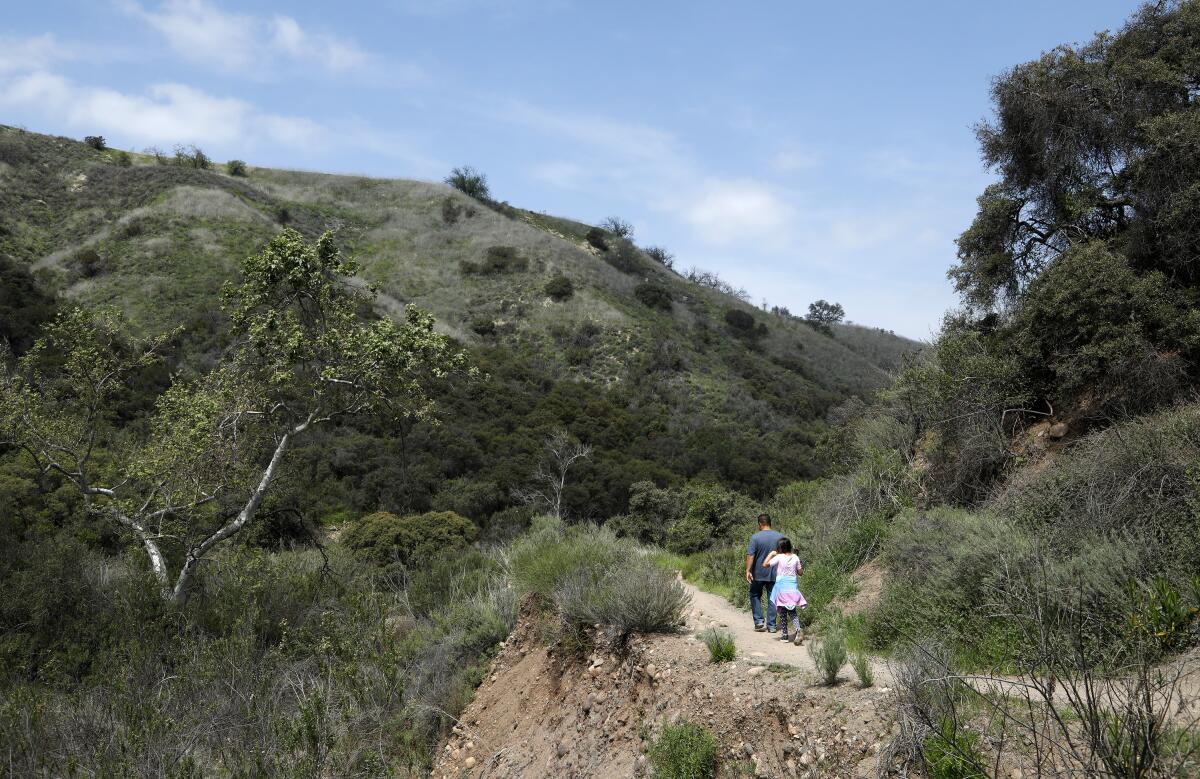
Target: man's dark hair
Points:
(764, 519)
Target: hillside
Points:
(668, 392)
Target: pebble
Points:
(755, 671)
(748, 748)
(469, 762)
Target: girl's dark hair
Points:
(785, 545)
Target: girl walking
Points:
(786, 597)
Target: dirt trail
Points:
(761, 648)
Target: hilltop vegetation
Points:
(663, 376)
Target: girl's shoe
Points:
(784, 638)
(799, 639)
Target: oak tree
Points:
(302, 355)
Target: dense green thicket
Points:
(1080, 268)
(336, 671)
(385, 539)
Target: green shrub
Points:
(661, 256)
(235, 168)
(942, 565)
(743, 325)
(470, 182)
(342, 672)
(592, 577)
(861, 662)
(384, 538)
(720, 645)
(88, 263)
(624, 257)
(651, 512)
(475, 500)
(713, 515)
(559, 288)
(122, 159)
(483, 326)
(451, 210)
(97, 142)
(721, 571)
(683, 751)
(597, 239)
(953, 753)
(504, 526)
(502, 259)
(635, 595)
(653, 296)
(1164, 618)
(192, 157)
(829, 652)
(544, 558)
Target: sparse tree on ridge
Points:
(560, 452)
(301, 357)
(618, 227)
(470, 182)
(661, 256)
(822, 315)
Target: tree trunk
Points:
(180, 592)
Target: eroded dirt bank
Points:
(547, 712)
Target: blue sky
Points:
(801, 150)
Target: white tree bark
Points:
(243, 517)
(561, 452)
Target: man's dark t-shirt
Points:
(762, 544)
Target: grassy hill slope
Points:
(689, 390)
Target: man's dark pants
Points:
(760, 601)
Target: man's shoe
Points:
(759, 627)
(770, 630)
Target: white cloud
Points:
(25, 54)
(166, 114)
(727, 211)
(335, 55)
(201, 32)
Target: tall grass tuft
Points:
(636, 596)
(861, 662)
(829, 652)
(720, 645)
(683, 751)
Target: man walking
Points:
(761, 579)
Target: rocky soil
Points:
(546, 710)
